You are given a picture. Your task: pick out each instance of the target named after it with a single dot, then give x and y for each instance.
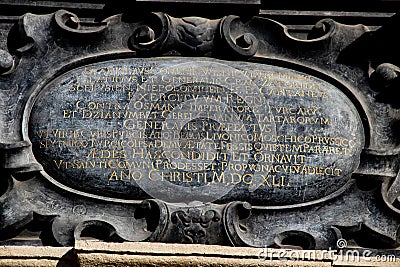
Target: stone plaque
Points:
(195, 129)
(221, 131)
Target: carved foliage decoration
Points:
(194, 223)
(42, 48)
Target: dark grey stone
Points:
(240, 133)
(196, 129)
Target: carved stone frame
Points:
(42, 47)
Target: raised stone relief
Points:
(222, 131)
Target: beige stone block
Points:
(37, 256)
(117, 260)
(91, 253)
(381, 261)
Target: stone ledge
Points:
(96, 253)
(161, 254)
(37, 256)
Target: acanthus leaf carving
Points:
(197, 224)
(161, 33)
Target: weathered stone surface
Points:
(224, 131)
(94, 253)
(30, 256)
(185, 130)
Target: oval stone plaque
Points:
(190, 129)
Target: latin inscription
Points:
(264, 132)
